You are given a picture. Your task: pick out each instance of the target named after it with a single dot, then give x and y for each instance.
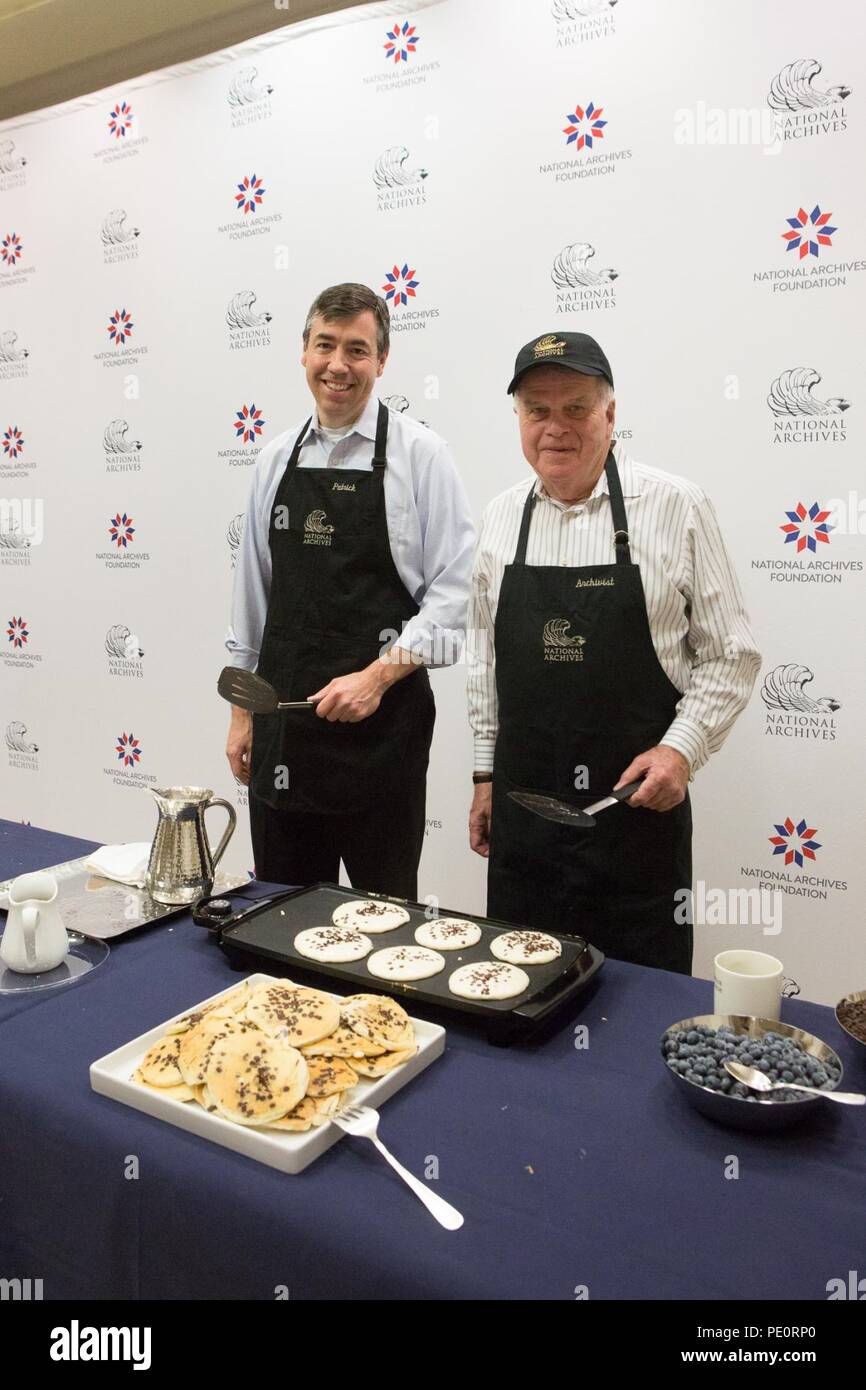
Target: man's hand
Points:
(349, 699)
(239, 748)
(480, 817)
(666, 780)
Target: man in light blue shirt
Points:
(353, 577)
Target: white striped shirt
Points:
(699, 626)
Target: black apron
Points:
(335, 594)
(579, 684)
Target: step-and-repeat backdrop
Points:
(677, 178)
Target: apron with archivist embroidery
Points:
(579, 686)
(335, 602)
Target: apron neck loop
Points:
(617, 509)
(526, 520)
(379, 459)
(296, 451)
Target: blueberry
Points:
(691, 1036)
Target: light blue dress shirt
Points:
(430, 531)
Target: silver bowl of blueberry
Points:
(695, 1050)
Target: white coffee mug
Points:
(748, 982)
(34, 938)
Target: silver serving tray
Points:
(104, 909)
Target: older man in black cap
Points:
(610, 646)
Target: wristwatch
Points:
(479, 777)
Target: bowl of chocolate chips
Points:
(851, 1015)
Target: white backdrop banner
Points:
(676, 178)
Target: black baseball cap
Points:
(577, 351)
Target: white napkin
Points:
(123, 863)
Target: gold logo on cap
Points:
(549, 346)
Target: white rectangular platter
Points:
(290, 1153)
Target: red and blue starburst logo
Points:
(13, 442)
(120, 119)
(120, 327)
(584, 126)
(794, 841)
(250, 194)
(248, 423)
(128, 749)
(400, 285)
(121, 530)
(401, 41)
(807, 528)
(11, 248)
(809, 231)
(17, 632)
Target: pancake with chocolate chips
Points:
(488, 979)
(328, 1075)
(181, 1092)
(335, 944)
(405, 963)
(381, 1020)
(380, 1066)
(196, 1044)
(159, 1066)
(301, 1118)
(370, 916)
(291, 1013)
(254, 1080)
(526, 947)
(220, 1008)
(448, 934)
(343, 1042)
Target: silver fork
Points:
(363, 1121)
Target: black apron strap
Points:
(617, 508)
(522, 539)
(296, 451)
(379, 449)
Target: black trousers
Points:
(380, 847)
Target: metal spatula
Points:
(565, 812)
(251, 692)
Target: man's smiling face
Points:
(342, 362)
(566, 421)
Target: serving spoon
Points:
(759, 1081)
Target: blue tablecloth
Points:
(573, 1167)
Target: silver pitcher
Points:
(181, 865)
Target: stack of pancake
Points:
(278, 1055)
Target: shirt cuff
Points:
(690, 740)
(437, 646)
(244, 657)
(484, 750)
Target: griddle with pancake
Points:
(262, 934)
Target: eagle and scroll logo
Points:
(317, 531)
(549, 346)
(560, 644)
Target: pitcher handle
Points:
(229, 830)
(29, 922)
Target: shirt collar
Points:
(364, 425)
(628, 480)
